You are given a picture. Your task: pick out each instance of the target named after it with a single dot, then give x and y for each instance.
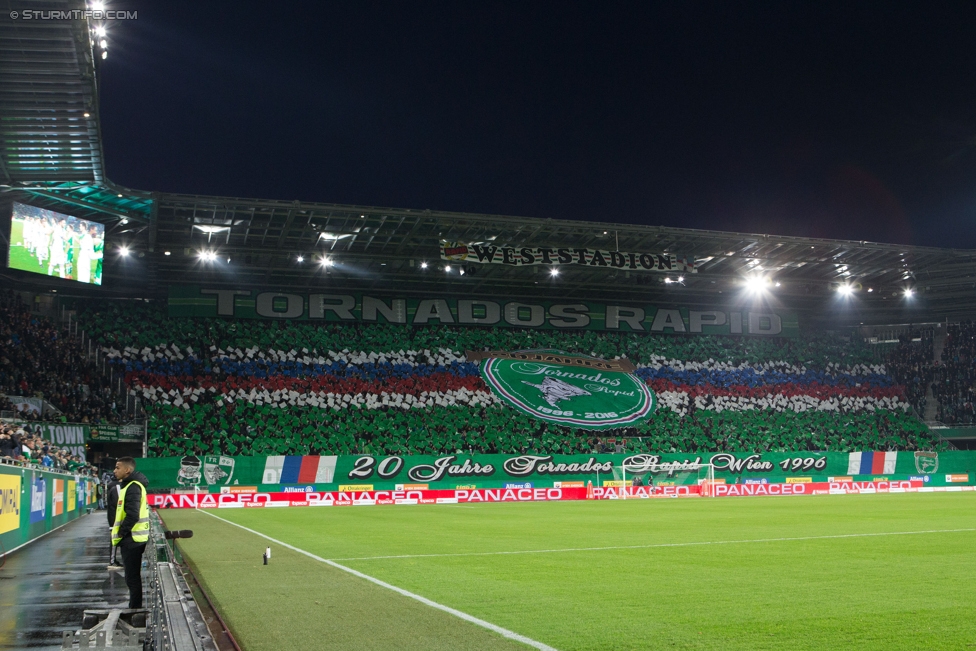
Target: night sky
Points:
(788, 118)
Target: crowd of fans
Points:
(37, 361)
(910, 364)
(716, 393)
(140, 325)
(247, 429)
(954, 376)
(19, 443)
(826, 371)
(951, 378)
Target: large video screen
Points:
(61, 246)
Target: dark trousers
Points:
(132, 562)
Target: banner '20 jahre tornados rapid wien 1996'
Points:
(571, 390)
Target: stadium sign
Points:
(457, 471)
(193, 301)
(555, 256)
(568, 390)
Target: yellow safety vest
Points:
(140, 530)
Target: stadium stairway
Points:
(46, 586)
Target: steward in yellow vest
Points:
(130, 533)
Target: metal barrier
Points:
(174, 621)
(171, 620)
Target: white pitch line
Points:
(504, 632)
(684, 544)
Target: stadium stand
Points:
(37, 360)
(953, 379)
(18, 444)
(910, 364)
(214, 386)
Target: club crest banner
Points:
(568, 389)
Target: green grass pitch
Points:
(751, 573)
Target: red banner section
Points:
(231, 500)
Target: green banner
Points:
(118, 433)
(323, 473)
(192, 301)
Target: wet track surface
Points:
(46, 586)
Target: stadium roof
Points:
(50, 135)
(381, 250)
(51, 156)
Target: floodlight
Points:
(103, 44)
(447, 268)
(845, 290)
(909, 292)
(300, 258)
(423, 265)
(554, 272)
(124, 251)
(98, 6)
(461, 271)
(209, 229)
(166, 253)
(757, 284)
(100, 31)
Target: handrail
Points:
(7, 461)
